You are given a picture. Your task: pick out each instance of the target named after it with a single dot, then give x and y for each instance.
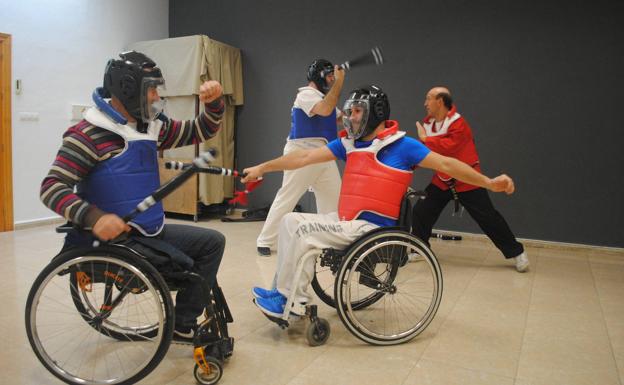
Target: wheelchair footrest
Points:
(221, 349)
(227, 347)
(279, 321)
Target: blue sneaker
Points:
(259, 292)
(273, 306)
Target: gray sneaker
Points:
(522, 263)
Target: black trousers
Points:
(478, 204)
(205, 247)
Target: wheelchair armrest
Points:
(181, 276)
(65, 228)
(70, 226)
(330, 251)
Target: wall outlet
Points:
(78, 110)
(29, 116)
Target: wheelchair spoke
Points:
(83, 357)
(95, 299)
(426, 302)
(58, 333)
(403, 309)
(60, 303)
(84, 333)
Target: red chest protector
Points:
(368, 184)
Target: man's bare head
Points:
(438, 102)
(437, 90)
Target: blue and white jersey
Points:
(307, 125)
(118, 184)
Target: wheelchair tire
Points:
(318, 332)
(96, 347)
(216, 372)
(404, 271)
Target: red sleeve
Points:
(459, 133)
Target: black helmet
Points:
(318, 71)
(129, 79)
(376, 109)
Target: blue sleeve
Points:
(414, 151)
(336, 147)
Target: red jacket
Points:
(453, 139)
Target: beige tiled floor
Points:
(560, 323)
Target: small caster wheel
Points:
(318, 332)
(210, 376)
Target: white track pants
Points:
(324, 179)
(300, 233)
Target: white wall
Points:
(59, 50)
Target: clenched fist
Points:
(109, 226)
(210, 91)
(251, 174)
(502, 183)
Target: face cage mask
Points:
(355, 129)
(150, 111)
(325, 84)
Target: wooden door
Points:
(6, 175)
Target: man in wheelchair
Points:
(379, 164)
(110, 157)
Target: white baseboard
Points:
(21, 225)
(538, 243)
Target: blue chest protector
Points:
(118, 184)
(303, 126)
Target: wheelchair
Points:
(104, 314)
(386, 286)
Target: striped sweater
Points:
(85, 145)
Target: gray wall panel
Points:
(537, 82)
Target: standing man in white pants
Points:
(314, 124)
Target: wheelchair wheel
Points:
(404, 277)
(318, 332)
(323, 283)
(99, 316)
(211, 375)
